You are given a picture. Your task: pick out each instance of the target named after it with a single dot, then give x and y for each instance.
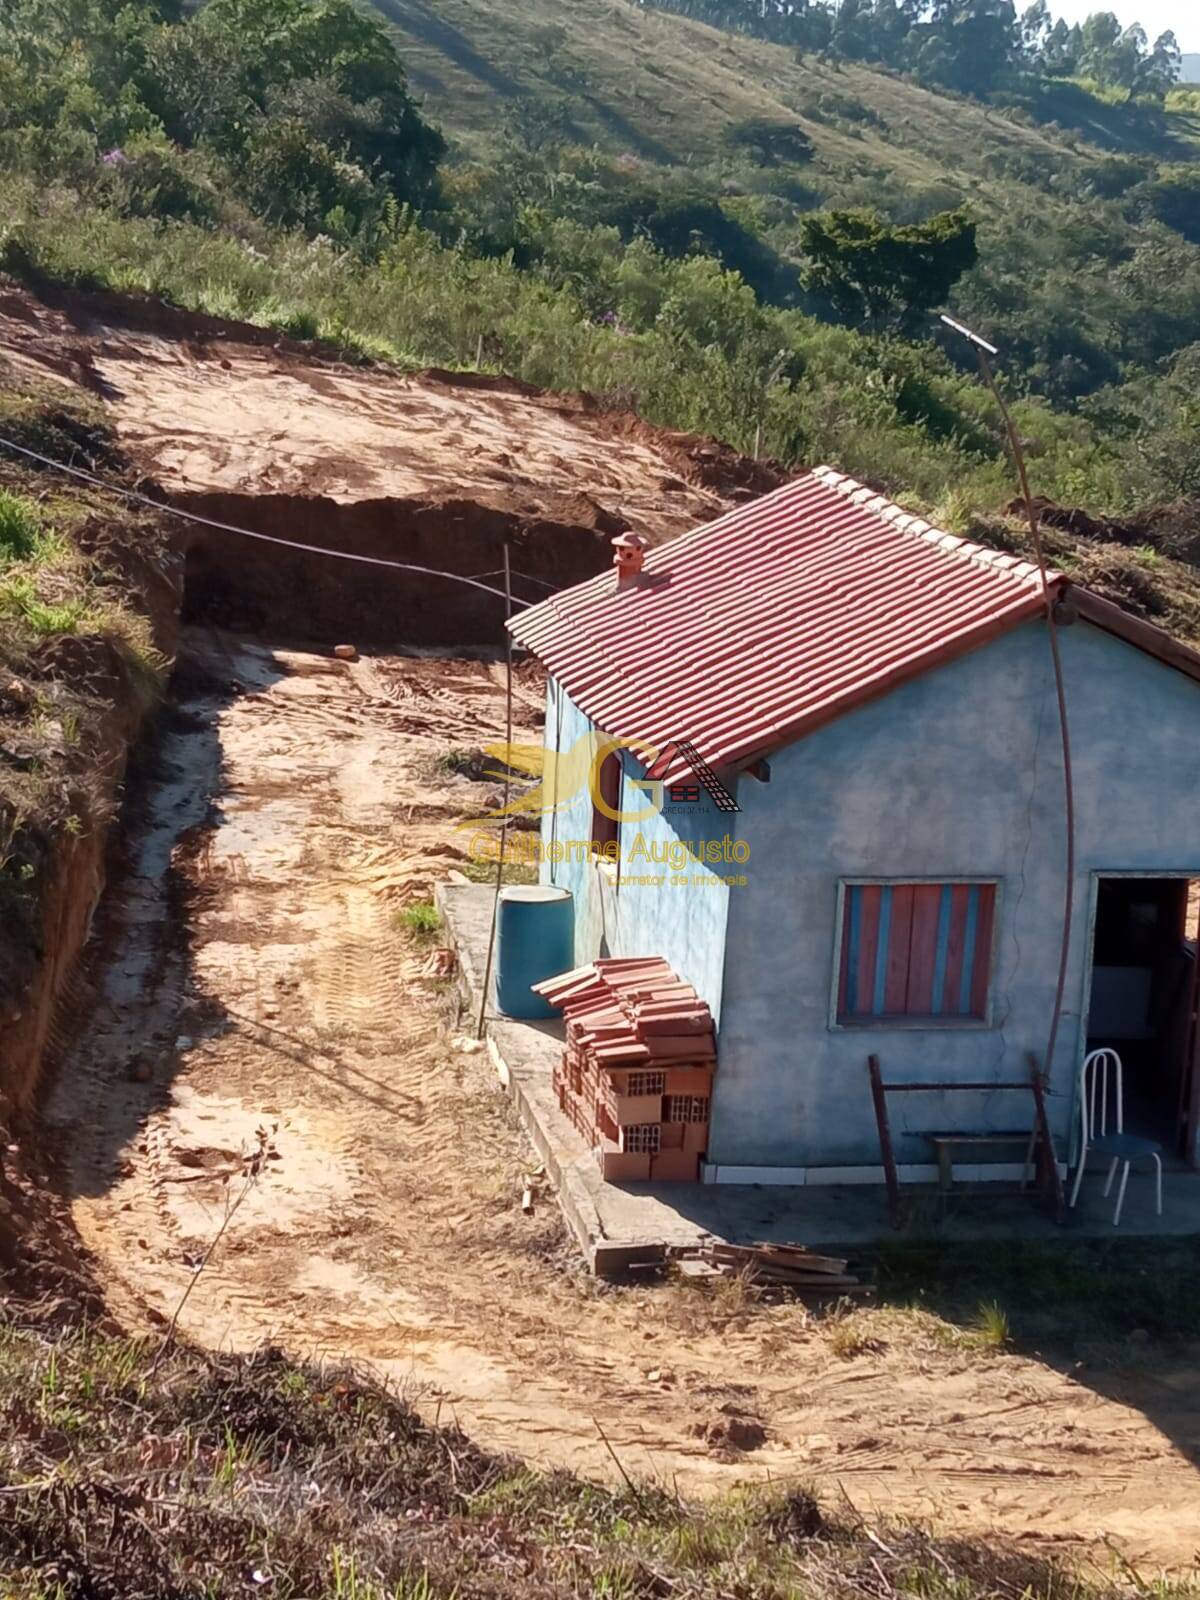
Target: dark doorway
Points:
(1143, 1002)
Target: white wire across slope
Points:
(249, 533)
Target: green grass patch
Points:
(422, 921)
(20, 527)
(485, 871)
(218, 1476)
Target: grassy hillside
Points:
(1078, 275)
(663, 87)
(636, 204)
(131, 1477)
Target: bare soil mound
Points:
(433, 468)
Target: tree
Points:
(292, 178)
(1160, 69)
(968, 45)
(769, 142)
(1061, 49)
(887, 277)
(1112, 55)
(323, 65)
(1036, 27)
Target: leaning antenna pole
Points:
(508, 734)
(984, 351)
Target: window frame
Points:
(914, 1024)
(609, 870)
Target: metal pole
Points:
(508, 733)
(983, 350)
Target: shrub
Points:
(992, 1329)
(150, 178)
(769, 143)
(421, 921)
(1174, 199)
(20, 527)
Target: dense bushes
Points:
(299, 106)
(682, 341)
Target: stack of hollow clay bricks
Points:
(636, 1075)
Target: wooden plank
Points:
(937, 1005)
(895, 989)
(926, 906)
(982, 969)
(768, 1273)
(945, 1164)
(943, 1088)
(788, 1280)
(956, 949)
(790, 1265)
(695, 1267)
(846, 1003)
(1020, 1137)
(885, 1139)
(868, 948)
(807, 1285)
(791, 1253)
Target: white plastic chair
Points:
(1101, 1095)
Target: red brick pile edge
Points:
(635, 1078)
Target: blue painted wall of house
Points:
(565, 726)
(681, 914)
(956, 774)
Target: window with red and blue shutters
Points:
(915, 951)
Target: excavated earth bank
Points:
(435, 468)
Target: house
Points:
(829, 791)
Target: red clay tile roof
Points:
(781, 615)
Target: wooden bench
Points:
(945, 1145)
(1038, 1135)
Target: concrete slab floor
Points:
(619, 1225)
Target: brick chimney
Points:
(629, 556)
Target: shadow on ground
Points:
(146, 996)
(1119, 1316)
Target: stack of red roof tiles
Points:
(636, 1075)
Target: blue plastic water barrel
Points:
(535, 940)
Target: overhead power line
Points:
(249, 533)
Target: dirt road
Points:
(255, 977)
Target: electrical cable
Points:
(504, 594)
(983, 350)
(247, 533)
(528, 577)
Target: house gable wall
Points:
(955, 774)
